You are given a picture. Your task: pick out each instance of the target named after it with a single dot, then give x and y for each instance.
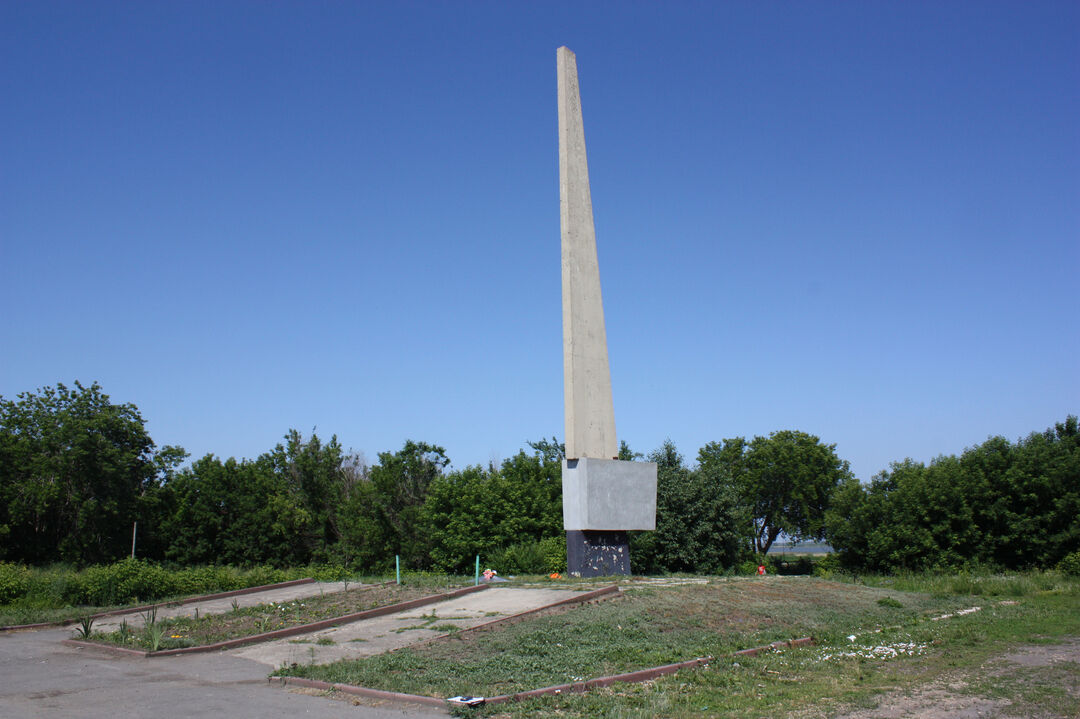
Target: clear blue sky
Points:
(855, 219)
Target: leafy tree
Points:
(534, 495)
(999, 504)
(626, 454)
(697, 520)
(784, 480)
(478, 511)
(384, 513)
(462, 511)
(1030, 511)
(311, 474)
(235, 512)
(550, 450)
(73, 466)
(155, 503)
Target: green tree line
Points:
(999, 504)
(76, 471)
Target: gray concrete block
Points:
(608, 494)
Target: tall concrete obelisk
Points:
(590, 414)
(602, 497)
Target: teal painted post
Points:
(477, 568)
(397, 567)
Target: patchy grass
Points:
(429, 623)
(893, 649)
(979, 584)
(649, 626)
(247, 621)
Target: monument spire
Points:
(603, 497)
(590, 414)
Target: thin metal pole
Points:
(134, 526)
(397, 567)
(477, 568)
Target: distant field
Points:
(805, 548)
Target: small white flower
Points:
(851, 637)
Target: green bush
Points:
(257, 576)
(14, 580)
(126, 581)
(1070, 564)
(538, 557)
(205, 580)
(827, 566)
(554, 549)
(324, 573)
(136, 580)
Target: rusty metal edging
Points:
(361, 691)
(640, 675)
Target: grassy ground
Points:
(33, 613)
(657, 625)
(188, 631)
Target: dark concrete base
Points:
(594, 553)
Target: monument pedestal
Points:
(597, 553)
(602, 499)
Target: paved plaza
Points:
(43, 677)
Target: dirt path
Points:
(1034, 681)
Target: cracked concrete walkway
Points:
(45, 679)
(393, 631)
(42, 677)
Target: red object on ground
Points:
(761, 569)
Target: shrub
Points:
(827, 566)
(205, 580)
(257, 576)
(554, 549)
(125, 581)
(14, 580)
(325, 573)
(1070, 564)
(538, 557)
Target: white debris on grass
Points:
(881, 651)
(890, 651)
(958, 613)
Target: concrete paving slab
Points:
(44, 679)
(393, 631)
(223, 605)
